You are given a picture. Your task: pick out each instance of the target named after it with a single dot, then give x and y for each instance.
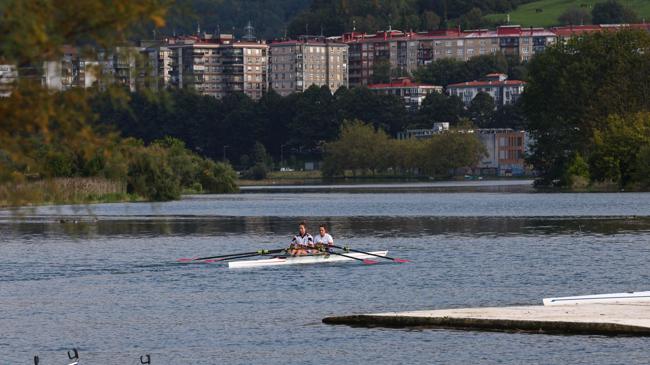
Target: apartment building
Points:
(502, 90)
(8, 76)
(218, 66)
(413, 93)
(397, 48)
(295, 65)
(506, 150)
(72, 70)
(405, 51)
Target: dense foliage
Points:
(236, 126)
(447, 71)
(589, 98)
(613, 12)
(46, 134)
(336, 17)
(273, 19)
(362, 148)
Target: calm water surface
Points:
(109, 284)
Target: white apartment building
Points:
(296, 65)
(502, 90)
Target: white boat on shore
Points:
(301, 260)
(614, 298)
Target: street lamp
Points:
(282, 155)
(224, 151)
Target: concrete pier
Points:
(598, 319)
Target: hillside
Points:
(528, 15)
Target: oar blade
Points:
(401, 261)
(185, 259)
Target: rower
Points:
(301, 241)
(323, 240)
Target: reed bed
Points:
(62, 191)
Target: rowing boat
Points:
(300, 260)
(629, 297)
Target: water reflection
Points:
(346, 226)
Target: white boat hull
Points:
(629, 297)
(301, 260)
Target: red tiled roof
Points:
(509, 30)
(399, 83)
(571, 30)
(488, 83)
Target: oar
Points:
(234, 257)
(365, 261)
(258, 252)
(371, 254)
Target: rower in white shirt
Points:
(323, 239)
(301, 242)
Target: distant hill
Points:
(529, 15)
(269, 17)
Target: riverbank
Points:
(315, 177)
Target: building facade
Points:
(506, 150)
(8, 77)
(405, 51)
(412, 93)
(502, 90)
(218, 66)
(296, 65)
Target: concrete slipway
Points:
(632, 319)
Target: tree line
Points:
(295, 128)
(363, 149)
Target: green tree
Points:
(481, 110)
(574, 87)
(575, 16)
(617, 146)
(439, 108)
(360, 147)
(613, 12)
(381, 72)
(577, 173)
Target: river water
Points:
(104, 279)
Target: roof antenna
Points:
(306, 28)
(354, 25)
(321, 30)
(250, 30)
(198, 29)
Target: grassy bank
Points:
(63, 191)
(285, 178)
(527, 15)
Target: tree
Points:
(617, 145)
(473, 19)
(481, 110)
(35, 31)
(359, 147)
(573, 88)
(438, 108)
(613, 12)
(381, 72)
(575, 16)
